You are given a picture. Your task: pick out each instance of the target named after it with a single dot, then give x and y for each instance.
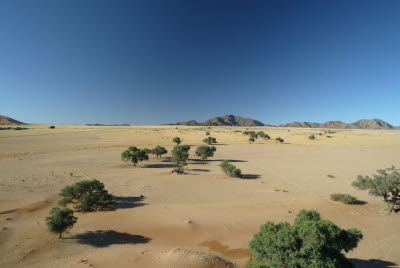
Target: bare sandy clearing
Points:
(224, 212)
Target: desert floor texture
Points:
(202, 219)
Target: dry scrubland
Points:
(193, 220)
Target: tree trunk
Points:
(59, 237)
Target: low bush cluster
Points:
(344, 198)
(230, 169)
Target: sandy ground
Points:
(194, 220)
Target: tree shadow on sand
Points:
(102, 239)
(159, 165)
(218, 160)
(200, 170)
(250, 176)
(124, 202)
(373, 263)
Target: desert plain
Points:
(199, 219)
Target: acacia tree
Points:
(210, 140)
(180, 155)
(230, 169)
(279, 139)
(177, 140)
(251, 139)
(135, 155)
(86, 195)
(60, 220)
(159, 151)
(309, 242)
(385, 184)
(205, 152)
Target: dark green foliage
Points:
(311, 137)
(279, 139)
(254, 135)
(15, 128)
(344, 198)
(147, 150)
(205, 152)
(309, 242)
(180, 154)
(177, 140)
(386, 184)
(52, 127)
(248, 132)
(134, 155)
(5, 128)
(207, 133)
(230, 169)
(159, 151)
(60, 220)
(210, 140)
(329, 136)
(86, 195)
(251, 139)
(263, 135)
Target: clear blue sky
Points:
(152, 62)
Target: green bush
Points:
(311, 137)
(207, 133)
(180, 155)
(309, 242)
(210, 140)
(385, 184)
(159, 151)
(251, 139)
(344, 198)
(177, 140)
(279, 139)
(86, 195)
(52, 127)
(230, 169)
(205, 152)
(135, 155)
(60, 220)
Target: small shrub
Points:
(177, 140)
(251, 139)
(205, 152)
(311, 137)
(180, 155)
(210, 140)
(279, 139)
(52, 127)
(329, 137)
(159, 151)
(135, 155)
(330, 176)
(344, 198)
(207, 133)
(60, 220)
(230, 169)
(86, 195)
(20, 128)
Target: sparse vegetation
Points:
(210, 140)
(52, 127)
(279, 139)
(134, 155)
(311, 137)
(180, 155)
(207, 133)
(86, 195)
(205, 152)
(147, 150)
(230, 169)
(344, 198)
(385, 184)
(251, 139)
(330, 176)
(309, 242)
(60, 220)
(177, 140)
(15, 128)
(159, 151)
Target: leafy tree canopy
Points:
(205, 152)
(159, 151)
(135, 155)
(210, 140)
(60, 220)
(309, 242)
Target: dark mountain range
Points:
(226, 120)
(4, 120)
(360, 124)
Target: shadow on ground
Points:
(124, 202)
(200, 170)
(250, 176)
(218, 160)
(159, 165)
(373, 263)
(102, 239)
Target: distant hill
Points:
(226, 120)
(5, 120)
(360, 124)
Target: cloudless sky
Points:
(163, 61)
